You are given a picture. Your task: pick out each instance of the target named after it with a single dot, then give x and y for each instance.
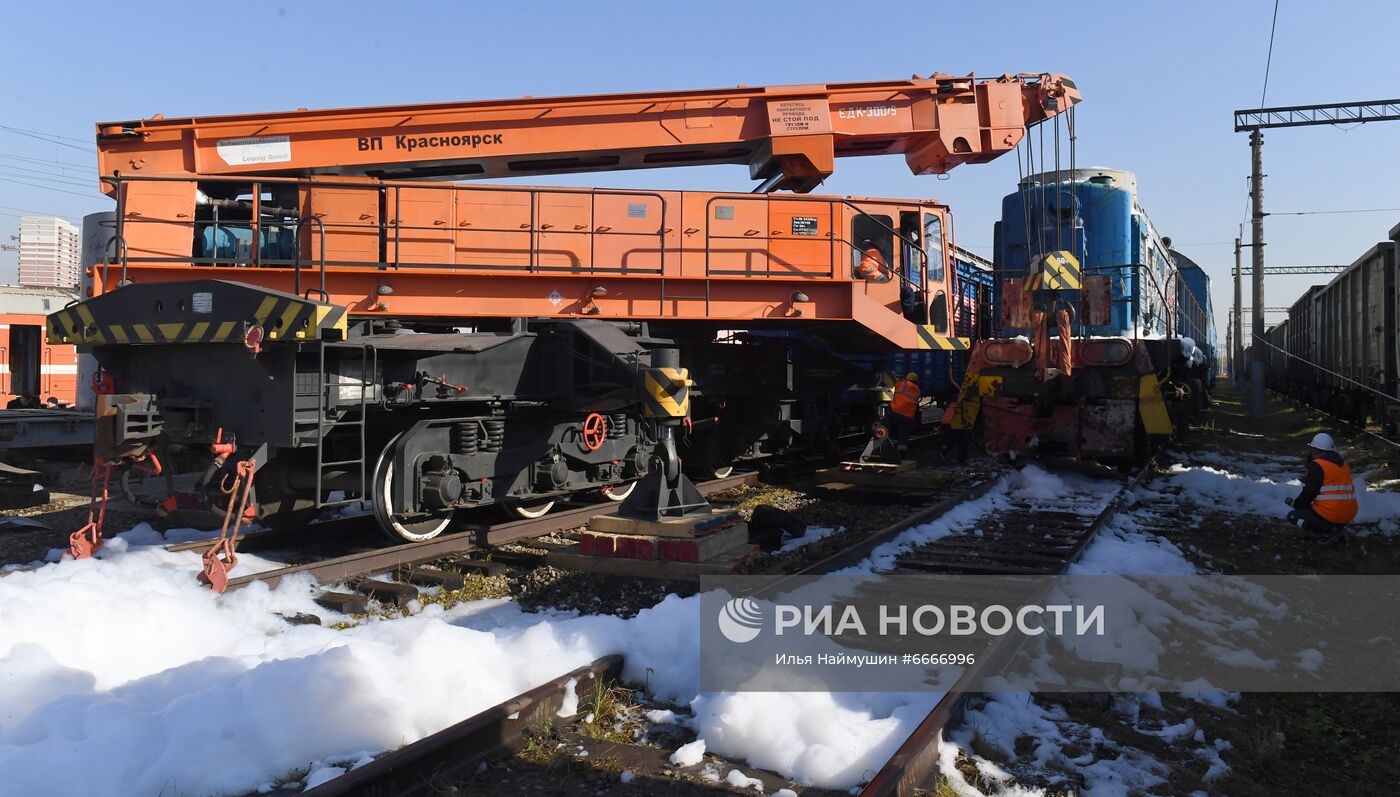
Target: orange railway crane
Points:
(788, 135)
(267, 268)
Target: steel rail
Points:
(910, 770)
(380, 559)
(427, 766)
(430, 765)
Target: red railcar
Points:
(33, 372)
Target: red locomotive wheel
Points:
(595, 431)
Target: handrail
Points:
(397, 228)
(923, 256)
(321, 227)
(832, 203)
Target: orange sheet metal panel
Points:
(628, 233)
(352, 221)
(735, 235)
(421, 224)
(158, 218)
(493, 229)
(800, 233)
(564, 220)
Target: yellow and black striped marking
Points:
(666, 392)
(928, 339)
(886, 387)
(153, 315)
(1055, 271)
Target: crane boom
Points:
(787, 135)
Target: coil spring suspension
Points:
(495, 435)
(465, 438)
(617, 425)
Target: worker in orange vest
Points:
(904, 409)
(1327, 501)
(872, 263)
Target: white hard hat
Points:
(1323, 441)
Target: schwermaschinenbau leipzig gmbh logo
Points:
(740, 619)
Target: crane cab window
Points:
(933, 248)
(872, 248)
(938, 313)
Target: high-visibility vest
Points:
(906, 398)
(872, 264)
(1336, 501)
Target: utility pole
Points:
(1256, 192)
(1254, 121)
(1236, 324)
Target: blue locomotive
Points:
(1096, 348)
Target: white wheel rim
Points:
(530, 513)
(619, 492)
(387, 513)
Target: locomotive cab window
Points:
(872, 248)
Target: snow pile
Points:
(833, 739)
(688, 755)
(128, 662)
(810, 536)
(1231, 491)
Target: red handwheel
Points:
(595, 431)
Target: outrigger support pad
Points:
(666, 492)
(881, 449)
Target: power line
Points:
(1330, 212)
(38, 212)
(49, 137)
(45, 133)
(45, 187)
(48, 177)
(48, 162)
(1268, 62)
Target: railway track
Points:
(411, 559)
(1028, 540)
(421, 768)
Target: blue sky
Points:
(1160, 81)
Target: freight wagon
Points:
(1339, 350)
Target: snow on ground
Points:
(1106, 768)
(159, 686)
(808, 537)
(1243, 487)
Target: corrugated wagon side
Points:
(1356, 338)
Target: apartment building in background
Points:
(48, 252)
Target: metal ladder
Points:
(676, 297)
(326, 424)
